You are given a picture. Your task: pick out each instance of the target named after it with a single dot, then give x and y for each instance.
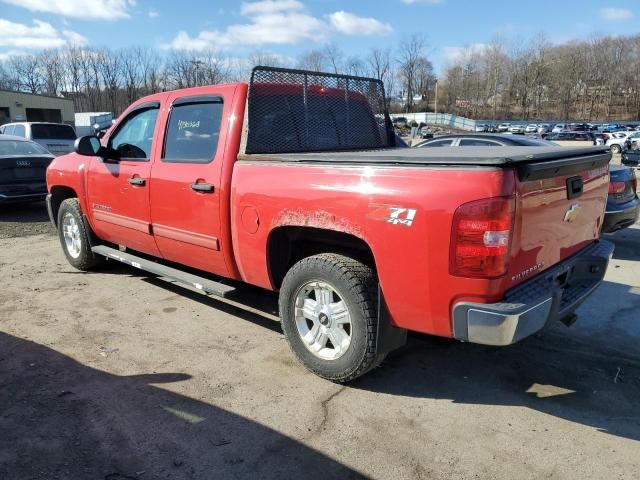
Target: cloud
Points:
(153, 13)
(269, 6)
(351, 24)
(95, 10)
(456, 54)
(277, 22)
(38, 36)
(422, 2)
(616, 14)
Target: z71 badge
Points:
(394, 215)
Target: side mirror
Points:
(88, 145)
(101, 133)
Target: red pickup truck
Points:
(293, 183)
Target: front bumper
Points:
(622, 217)
(526, 309)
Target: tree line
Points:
(592, 80)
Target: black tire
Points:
(356, 284)
(85, 259)
(616, 148)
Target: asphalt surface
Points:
(119, 375)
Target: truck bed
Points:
(532, 163)
(489, 156)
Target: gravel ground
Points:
(118, 375)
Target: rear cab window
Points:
(477, 142)
(193, 130)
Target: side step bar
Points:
(207, 286)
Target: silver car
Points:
(57, 138)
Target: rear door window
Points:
(438, 143)
(193, 130)
(19, 131)
(43, 131)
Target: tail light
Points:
(617, 187)
(481, 238)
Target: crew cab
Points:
(294, 184)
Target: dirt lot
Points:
(117, 375)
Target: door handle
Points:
(136, 181)
(202, 187)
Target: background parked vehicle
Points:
(617, 140)
(631, 158)
(531, 128)
(558, 127)
(543, 128)
(483, 140)
(23, 166)
(57, 138)
(572, 139)
(623, 206)
(632, 142)
(425, 132)
(503, 127)
(517, 129)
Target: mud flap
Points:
(388, 338)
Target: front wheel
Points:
(328, 311)
(74, 236)
(616, 148)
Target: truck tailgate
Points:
(559, 210)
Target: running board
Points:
(205, 285)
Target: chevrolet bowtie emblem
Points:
(572, 213)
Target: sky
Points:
(289, 27)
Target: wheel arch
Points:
(288, 244)
(59, 193)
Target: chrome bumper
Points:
(526, 309)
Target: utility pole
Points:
(436, 105)
(197, 64)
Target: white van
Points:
(58, 138)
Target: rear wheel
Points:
(328, 309)
(74, 236)
(616, 148)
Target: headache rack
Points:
(291, 111)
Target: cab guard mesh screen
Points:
(298, 111)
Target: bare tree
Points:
(313, 60)
(412, 53)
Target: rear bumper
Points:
(526, 309)
(623, 216)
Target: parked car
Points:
(503, 127)
(517, 129)
(483, 140)
(480, 127)
(632, 141)
(623, 205)
(23, 166)
(425, 132)
(577, 127)
(543, 128)
(617, 140)
(572, 139)
(57, 138)
(475, 249)
(531, 128)
(400, 122)
(631, 158)
(559, 127)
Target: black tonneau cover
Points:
(532, 162)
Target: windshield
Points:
(52, 131)
(20, 147)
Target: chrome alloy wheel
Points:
(71, 234)
(323, 320)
